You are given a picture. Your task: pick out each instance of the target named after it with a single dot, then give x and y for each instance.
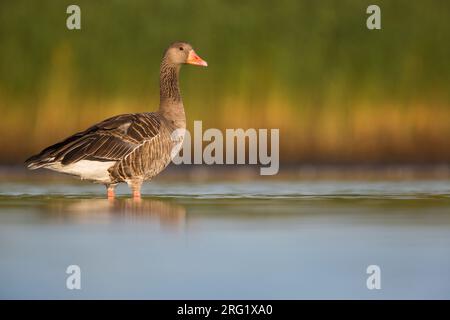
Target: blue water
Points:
(281, 240)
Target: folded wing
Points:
(110, 140)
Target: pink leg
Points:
(136, 188)
(136, 195)
(110, 192)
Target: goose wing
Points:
(110, 140)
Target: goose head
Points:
(183, 53)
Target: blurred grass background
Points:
(339, 92)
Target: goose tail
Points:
(38, 161)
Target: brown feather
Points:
(111, 139)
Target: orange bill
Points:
(193, 58)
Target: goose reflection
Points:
(164, 212)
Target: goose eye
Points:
(181, 48)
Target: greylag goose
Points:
(129, 148)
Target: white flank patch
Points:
(86, 169)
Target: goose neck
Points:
(169, 90)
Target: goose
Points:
(130, 148)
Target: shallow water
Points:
(226, 240)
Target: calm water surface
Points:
(226, 240)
